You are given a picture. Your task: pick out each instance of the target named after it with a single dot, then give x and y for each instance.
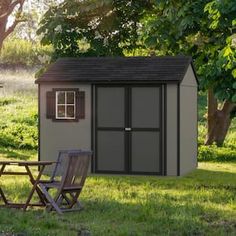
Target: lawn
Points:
(201, 203)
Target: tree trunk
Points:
(218, 121)
(3, 24)
(6, 9)
(211, 114)
(222, 125)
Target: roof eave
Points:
(106, 81)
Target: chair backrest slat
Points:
(77, 168)
(61, 164)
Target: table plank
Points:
(14, 173)
(36, 163)
(29, 163)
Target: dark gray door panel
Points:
(110, 124)
(145, 152)
(110, 151)
(145, 107)
(110, 107)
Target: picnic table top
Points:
(27, 163)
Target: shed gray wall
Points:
(171, 129)
(56, 136)
(188, 122)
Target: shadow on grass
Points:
(111, 217)
(15, 154)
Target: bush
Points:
(216, 154)
(7, 101)
(18, 123)
(20, 52)
(19, 136)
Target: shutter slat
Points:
(50, 104)
(81, 105)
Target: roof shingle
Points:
(117, 69)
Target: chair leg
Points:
(2, 195)
(50, 199)
(66, 198)
(75, 200)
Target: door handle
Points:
(127, 129)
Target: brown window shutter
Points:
(50, 103)
(81, 105)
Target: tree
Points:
(7, 8)
(206, 30)
(33, 12)
(93, 27)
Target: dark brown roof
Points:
(117, 69)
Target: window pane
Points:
(71, 111)
(61, 111)
(70, 98)
(60, 97)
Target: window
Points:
(65, 105)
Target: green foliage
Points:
(19, 136)
(20, 52)
(92, 27)
(18, 112)
(212, 153)
(203, 29)
(216, 154)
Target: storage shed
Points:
(137, 114)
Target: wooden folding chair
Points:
(60, 166)
(70, 185)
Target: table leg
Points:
(2, 169)
(1, 192)
(32, 180)
(3, 197)
(35, 187)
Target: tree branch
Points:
(13, 26)
(228, 107)
(12, 7)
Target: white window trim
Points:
(65, 117)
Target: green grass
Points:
(18, 110)
(201, 203)
(17, 154)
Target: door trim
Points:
(128, 135)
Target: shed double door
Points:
(127, 129)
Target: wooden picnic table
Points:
(34, 181)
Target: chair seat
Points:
(51, 184)
(45, 181)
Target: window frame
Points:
(57, 91)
